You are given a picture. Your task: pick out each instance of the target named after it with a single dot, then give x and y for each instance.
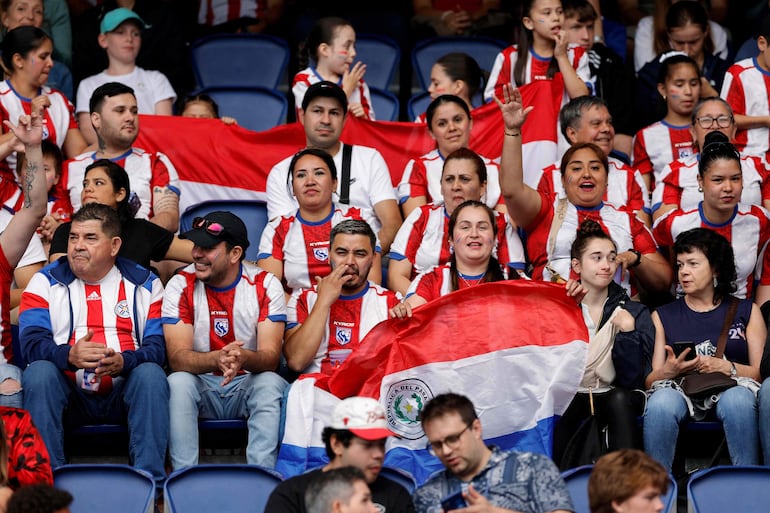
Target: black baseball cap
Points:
(214, 227)
(328, 90)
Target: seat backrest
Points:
(427, 52)
(577, 484)
(418, 104)
(255, 108)
(219, 488)
(385, 104)
(94, 486)
(239, 60)
(727, 488)
(381, 55)
(252, 213)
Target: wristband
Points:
(511, 134)
(638, 258)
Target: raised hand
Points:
(512, 107)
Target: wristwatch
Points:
(638, 257)
(733, 371)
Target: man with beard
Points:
(327, 321)
(154, 181)
(223, 320)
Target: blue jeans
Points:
(9, 371)
(142, 398)
(736, 408)
(257, 397)
(764, 420)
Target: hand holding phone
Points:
(453, 501)
(679, 348)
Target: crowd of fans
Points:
(653, 217)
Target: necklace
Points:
(709, 308)
(471, 281)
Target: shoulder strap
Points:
(726, 327)
(558, 219)
(347, 153)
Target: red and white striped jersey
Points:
(310, 76)
(303, 246)
(58, 118)
(437, 282)
(680, 183)
(216, 12)
(658, 144)
(423, 239)
(746, 88)
(145, 172)
(625, 187)
(422, 177)
(350, 319)
(748, 231)
(221, 316)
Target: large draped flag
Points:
(516, 348)
(219, 162)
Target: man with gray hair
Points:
(338, 490)
(326, 322)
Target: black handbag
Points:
(697, 385)
(587, 444)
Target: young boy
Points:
(747, 89)
(121, 37)
(611, 81)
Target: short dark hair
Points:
(321, 154)
(105, 91)
(353, 227)
(21, 40)
(38, 498)
(571, 114)
(582, 146)
(343, 436)
(580, 9)
(441, 100)
(97, 212)
(329, 486)
(444, 404)
(719, 254)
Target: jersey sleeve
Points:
(272, 240)
(644, 242)
(366, 100)
(642, 162)
(177, 303)
(279, 200)
(408, 237)
(272, 303)
(381, 185)
(662, 229)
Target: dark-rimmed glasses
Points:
(707, 122)
(452, 441)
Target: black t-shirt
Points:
(289, 496)
(142, 241)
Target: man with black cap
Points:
(223, 320)
(356, 437)
(364, 179)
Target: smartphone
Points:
(679, 348)
(454, 501)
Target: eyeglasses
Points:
(211, 227)
(708, 121)
(452, 441)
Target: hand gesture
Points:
(401, 311)
(230, 361)
(352, 77)
(357, 110)
(624, 321)
(48, 226)
(512, 107)
(477, 503)
(675, 366)
(30, 128)
(40, 102)
(576, 290)
(329, 287)
(85, 354)
(560, 49)
(111, 364)
(714, 364)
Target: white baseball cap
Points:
(362, 416)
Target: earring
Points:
(700, 189)
(715, 282)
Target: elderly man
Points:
(223, 320)
(91, 330)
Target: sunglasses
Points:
(212, 227)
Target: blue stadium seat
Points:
(219, 488)
(401, 477)
(239, 60)
(577, 484)
(100, 487)
(252, 213)
(418, 104)
(727, 488)
(255, 108)
(381, 55)
(428, 51)
(385, 104)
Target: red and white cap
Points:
(362, 416)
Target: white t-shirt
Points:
(150, 87)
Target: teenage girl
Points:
(540, 53)
(455, 73)
(203, 106)
(670, 138)
(331, 46)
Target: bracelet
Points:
(511, 134)
(638, 260)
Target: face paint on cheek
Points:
(342, 55)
